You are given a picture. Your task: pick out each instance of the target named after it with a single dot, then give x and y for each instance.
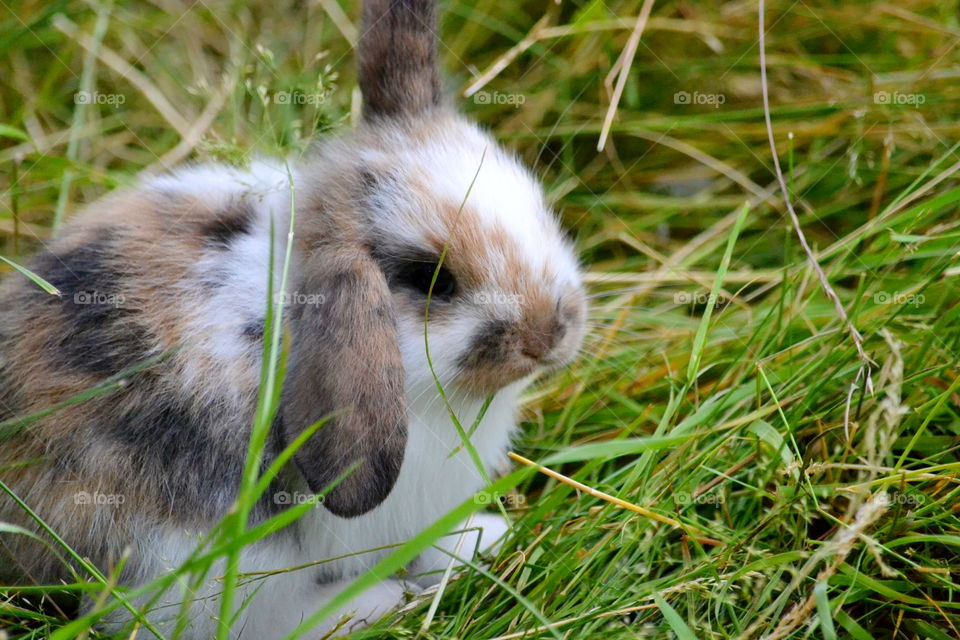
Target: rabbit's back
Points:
(162, 298)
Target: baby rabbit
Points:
(178, 265)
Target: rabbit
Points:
(164, 290)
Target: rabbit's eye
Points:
(419, 275)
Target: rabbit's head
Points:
(418, 219)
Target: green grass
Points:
(718, 388)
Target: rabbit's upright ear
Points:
(345, 360)
(398, 58)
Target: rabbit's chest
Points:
(437, 475)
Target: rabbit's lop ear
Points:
(345, 361)
(398, 58)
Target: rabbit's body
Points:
(417, 203)
(171, 440)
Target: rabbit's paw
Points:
(489, 528)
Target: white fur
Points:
(503, 192)
(431, 483)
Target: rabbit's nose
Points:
(539, 339)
